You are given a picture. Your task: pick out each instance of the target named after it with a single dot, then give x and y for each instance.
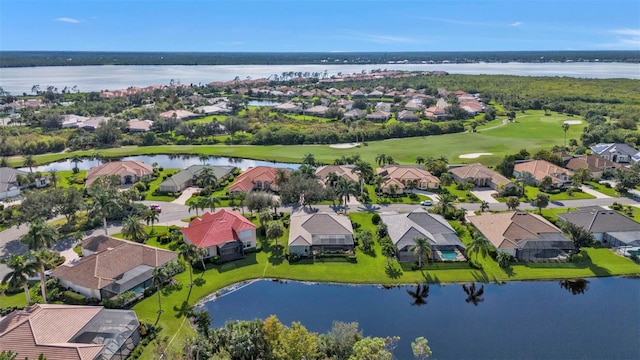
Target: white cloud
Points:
(516, 24)
(67, 20)
(627, 32)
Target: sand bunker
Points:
(573, 122)
(473, 155)
(344, 146)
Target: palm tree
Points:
(565, 128)
(211, 202)
(274, 231)
(422, 249)
(364, 171)
(29, 162)
(207, 177)
(388, 250)
(309, 159)
(345, 188)
(97, 156)
(478, 245)
(420, 295)
(22, 269)
(160, 276)
(484, 206)
(381, 159)
(473, 296)
(53, 177)
(445, 204)
(264, 217)
(151, 216)
(198, 204)
(133, 229)
(390, 160)
(189, 253)
(281, 176)
(420, 160)
(75, 159)
(103, 205)
(40, 235)
(42, 259)
(582, 175)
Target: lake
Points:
(112, 77)
(166, 161)
(518, 320)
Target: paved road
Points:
(172, 213)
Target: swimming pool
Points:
(448, 255)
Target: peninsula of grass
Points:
(532, 131)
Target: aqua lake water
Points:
(518, 320)
(167, 161)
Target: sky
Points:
(319, 25)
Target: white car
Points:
(426, 203)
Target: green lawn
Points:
(153, 186)
(532, 131)
(603, 189)
(532, 191)
(461, 195)
(67, 178)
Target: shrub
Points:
(414, 197)
(73, 298)
(293, 257)
(375, 219)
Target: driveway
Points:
(485, 195)
(186, 195)
(435, 197)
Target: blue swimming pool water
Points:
(448, 255)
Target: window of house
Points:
(247, 244)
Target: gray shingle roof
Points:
(320, 229)
(189, 173)
(600, 220)
(404, 228)
(8, 177)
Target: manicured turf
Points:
(531, 131)
(532, 191)
(153, 186)
(609, 191)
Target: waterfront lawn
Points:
(66, 179)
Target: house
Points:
(481, 176)
(188, 176)
(355, 114)
(607, 226)
(226, 234)
(436, 113)
(111, 266)
(178, 114)
(375, 94)
(414, 105)
(213, 110)
(93, 123)
(378, 116)
(617, 152)
(345, 171)
(9, 186)
(289, 108)
(403, 229)
(259, 178)
(595, 164)
(72, 121)
(540, 168)
(383, 107)
(319, 110)
(319, 233)
(129, 171)
(70, 332)
(404, 178)
(524, 235)
(407, 116)
(136, 125)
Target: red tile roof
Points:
(244, 182)
(216, 229)
(119, 168)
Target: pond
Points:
(598, 319)
(262, 103)
(167, 161)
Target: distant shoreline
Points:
(80, 58)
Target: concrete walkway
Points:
(435, 197)
(588, 190)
